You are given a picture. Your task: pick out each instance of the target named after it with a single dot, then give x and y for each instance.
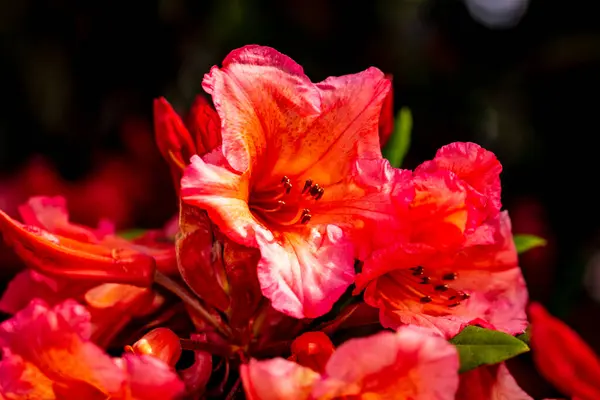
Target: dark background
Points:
(78, 80)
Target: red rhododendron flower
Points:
(47, 354)
(299, 174)
(562, 357)
(456, 261)
(111, 305)
(408, 364)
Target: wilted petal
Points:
(562, 357)
(200, 262)
(492, 382)
(149, 378)
(303, 277)
(62, 256)
(277, 379)
(197, 376)
(410, 363)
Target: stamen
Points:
(426, 299)
(450, 276)
(441, 288)
(314, 190)
(320, 194)
(417, 271)
(307, 185)
(425, 280)
(305, 216)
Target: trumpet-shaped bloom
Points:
(111, 304)
(47, 354)
(408, 364)
(457, 262)
(562, 357)
(299, 174)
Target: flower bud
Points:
(161, 343)
(312, 350)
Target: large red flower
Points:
(456, 261)
(299, 174)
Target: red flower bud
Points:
(161, 343)
(312, 350)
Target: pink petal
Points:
(55, 340)
(479, 168)
(149, 378)
(277, 379)
(223, 194)
(410, 363)
(22, 380)
(304, 276)
(24, 287)
(490, 382)
(204, 125)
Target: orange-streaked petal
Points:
(304, 275)
(562, 357)
(260, 95)
(477, 167)
(22, 380)
(277, 379)
(223, 194)
(409, 363)
(61, 256)
(56, 341)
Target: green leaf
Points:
(478, 346)
(398, 144)
(526, 242)
(524, 337)
(131, 233)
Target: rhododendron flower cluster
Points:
(301, 264)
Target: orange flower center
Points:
(430, 288)
(285, 204)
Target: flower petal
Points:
(386, 118)
(304, 276)
(204, 125)
(259, 94)
(172, 137)
(149, 378)
(562, 356)
(61, 256)
(22, 380)
(223, 194)
(490, 382)
(55, 340)
(478, 167)
(277, 379)
(410, 363)
(200, 262)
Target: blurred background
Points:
(519, 77)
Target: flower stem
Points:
(191, 301)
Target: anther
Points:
(307, 185)
(464, 296)
(314, 190)
(454, 304)
(425, 280)
(285, 179)
(288, 187)
(417, 271)
(426, 299)
(441, 288)
(450, 276)
(305, 216)
(320, 194)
